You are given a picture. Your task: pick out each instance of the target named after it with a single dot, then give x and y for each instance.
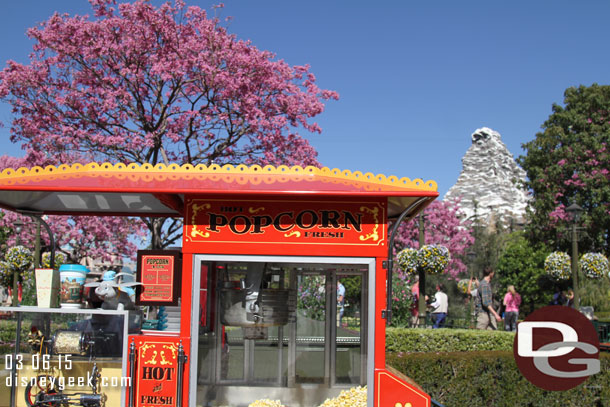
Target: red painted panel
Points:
(187, 294)
(391, 391)
(380, 305)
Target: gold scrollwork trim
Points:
(153, 359)
(163, 360)
(172, 348)
(195, 231)
(144, 348)
(253, 211)
(163, 171)
(294, 233)
(375, 233)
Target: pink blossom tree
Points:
(443, 226)
(145, 84)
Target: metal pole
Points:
(182, 359)
(37, 246)
(38, 217)
(575, 265)
(132, 371)
(14, 367)
(422, 274)
(18, 226)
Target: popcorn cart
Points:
(279, 290)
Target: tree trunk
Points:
(156, 241)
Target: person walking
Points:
(415, 306)
(440, 306)
(473, 285)
(512, 300)
(569, 301)
(487, 317)
(340, 303)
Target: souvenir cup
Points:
(72, 278)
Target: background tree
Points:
(596, 293)
(164, 84)
(442, 226)
(522, 265)
(567, 162)
(103, 238)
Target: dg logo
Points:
(556, 348)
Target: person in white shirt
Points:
(439, 307)
(340, 302)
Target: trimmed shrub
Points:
(492, 379)
(410, 340)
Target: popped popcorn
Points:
(266, 403)
(354, 397)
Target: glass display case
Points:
(62, 357)
(293, 331)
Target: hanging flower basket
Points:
(594, 265)
(433, 258)
(408, 260)
(558, 265)
(19, 257)
(59, 260)
(463, 285)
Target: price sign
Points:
(159, 273)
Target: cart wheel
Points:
(35, 392)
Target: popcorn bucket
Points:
(47, 288)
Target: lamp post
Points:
(575, 213)
(421, 273)
(40, 220)
(18, 228)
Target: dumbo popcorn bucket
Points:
(72, 277)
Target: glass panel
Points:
(63, 347)
(270, 357)
(207, 318)
(232, 354)
(274, 326)
(311, 328)
(349, 329)
(254, 311)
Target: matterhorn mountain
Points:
(490, 181)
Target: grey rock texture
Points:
(490, 179)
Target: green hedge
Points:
(446, 340)
(8, 334)
(492, 379)
(603, 316)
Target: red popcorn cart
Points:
(279, 290)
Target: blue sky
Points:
(416, 78)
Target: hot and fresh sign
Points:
(286, 222)
(157, 373)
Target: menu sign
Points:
(159, 273)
